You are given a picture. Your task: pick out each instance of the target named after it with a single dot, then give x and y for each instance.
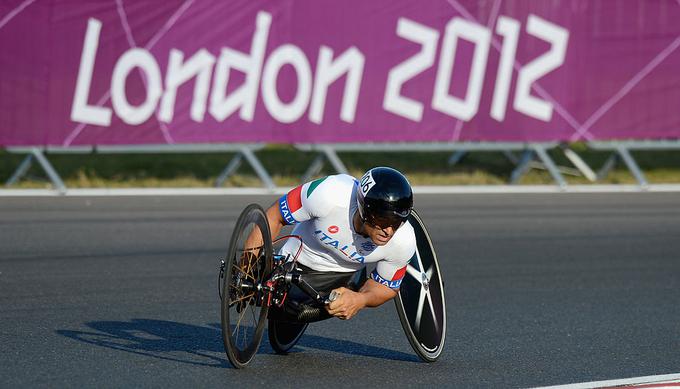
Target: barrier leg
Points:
(607, 166)
(231, 168)
(632, 166)
(314, 168)
(335, 160)
(456, 157)
(522, 166)
(51, 173)
(259, 169)
(550, 165)
(21, 170)
(580, 164)
(511, 157)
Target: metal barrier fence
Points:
(243, 151)
(532, 155)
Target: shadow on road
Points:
(201, 345)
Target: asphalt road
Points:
(541, 289)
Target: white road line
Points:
(652, 379)
(468, 189)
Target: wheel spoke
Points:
(241, 299)
(238, 323)
(244, 273)
(251, 264)
(245, 335)
(234, 334)
(253, 311)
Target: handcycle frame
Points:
(280, 280)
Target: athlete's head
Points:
(385, 200)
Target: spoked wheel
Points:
(284, 335)
(243, 276)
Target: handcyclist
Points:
(346, 225)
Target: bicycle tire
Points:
(240, 293)
(284, 335)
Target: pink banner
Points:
(166, 72)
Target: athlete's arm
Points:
(372, 294)
(275, 221)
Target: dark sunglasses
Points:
(385, 222)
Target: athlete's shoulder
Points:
(341, 182)
(404, 242)
(335, 189)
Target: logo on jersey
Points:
(313, 185)
(289, 203)
(368, 246)
(333, 229)
(344, 249)
(285, 210)
(367, 182)
(393, 284)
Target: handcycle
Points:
(255, 281)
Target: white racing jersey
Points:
(322, 212)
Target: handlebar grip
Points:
(332, 297)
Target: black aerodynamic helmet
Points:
(384, 197)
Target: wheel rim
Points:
(420, 303)
(244, 308)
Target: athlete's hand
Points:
(347, 304)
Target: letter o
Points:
(145, 61)
(287, 54)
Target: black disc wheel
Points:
(420, 302)
(242, 280)
(284, 335)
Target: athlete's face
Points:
(379, 235)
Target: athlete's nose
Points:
(389, 231)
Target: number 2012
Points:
(466, 108)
